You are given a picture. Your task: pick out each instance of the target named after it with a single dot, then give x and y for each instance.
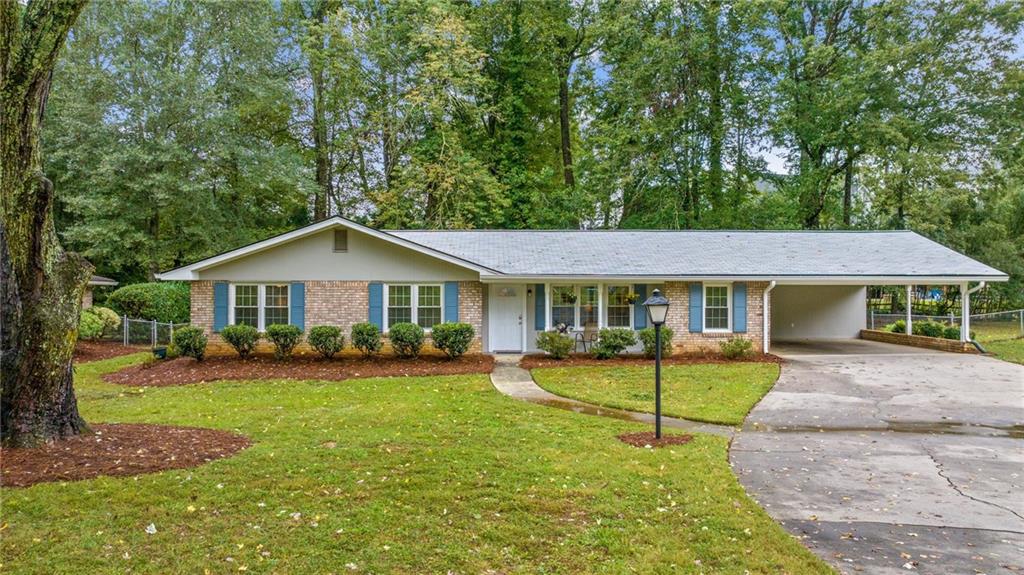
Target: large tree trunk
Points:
(320, 142)
(563, 121)
(41, 284)
(848, 193)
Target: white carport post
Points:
(965, 312)
(910, 308)
(965, 309)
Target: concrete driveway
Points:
(889, 459)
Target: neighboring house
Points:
(93, 282)
(512, 284)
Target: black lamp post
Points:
(657, 311)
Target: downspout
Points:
(765, 316)
(965, 316)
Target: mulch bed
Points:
(646, 439)
(581, 359)
(97, 350)
(183, 371)
(117, 449)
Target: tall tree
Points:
(168, 134)
(42, 284)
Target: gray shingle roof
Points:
(703, 253)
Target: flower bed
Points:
(184, 371)
(118, 450)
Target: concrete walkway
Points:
(516, 382)
(887, 459)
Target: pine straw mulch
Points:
(117, 449)
(646, 439)
(584, 359)
(182, 371)
(97, 350)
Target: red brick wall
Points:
(340, 303)
(952, 345)
(678, 294)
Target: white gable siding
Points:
(313, 258)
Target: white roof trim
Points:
(779, 279)
(189, 272)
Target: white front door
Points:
(505, 310)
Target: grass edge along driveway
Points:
(713, 392)
(413, 475)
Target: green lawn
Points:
(715, 393)
(1001, 338)
(428, 475)
(1007, 350)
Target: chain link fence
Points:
(147, 332)
(987, 327)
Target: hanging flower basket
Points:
(632, 298)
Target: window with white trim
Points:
(247, 305)
(589, 301)
(619, 308)
(717, 307)
(259, 305)
(563, 305)
(399, 304)
(421, 304)
(428, 306)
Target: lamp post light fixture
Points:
(657, 311)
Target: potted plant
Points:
(570, 298)
(632, 298)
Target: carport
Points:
(801, 310)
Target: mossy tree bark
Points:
(41, 284)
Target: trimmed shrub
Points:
(285, 337)
(898, 326)
(160, 301)
(453, 339)
(366, 338)
(556, 344)
(647, 340)
(951, 332)
(191, 342)
(327, 340)
(111, 321)
(736, 347)
(241, 337)
(90, 325)
(928, 328)
(406, 339)
(613, 341)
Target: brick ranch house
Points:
(510, 285)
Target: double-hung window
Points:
(419, 304)
(589, 310)
(563, 305)
(259, 305)
(428, 306)
(247, 305)
(717, 307)
(619, 307)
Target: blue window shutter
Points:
(376, 315)
(639, 312)
(696, 307)
(739, 307)
(220, 305)
(539, 308)
(297, 301)
(451, 301)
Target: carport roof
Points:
(826, 255)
